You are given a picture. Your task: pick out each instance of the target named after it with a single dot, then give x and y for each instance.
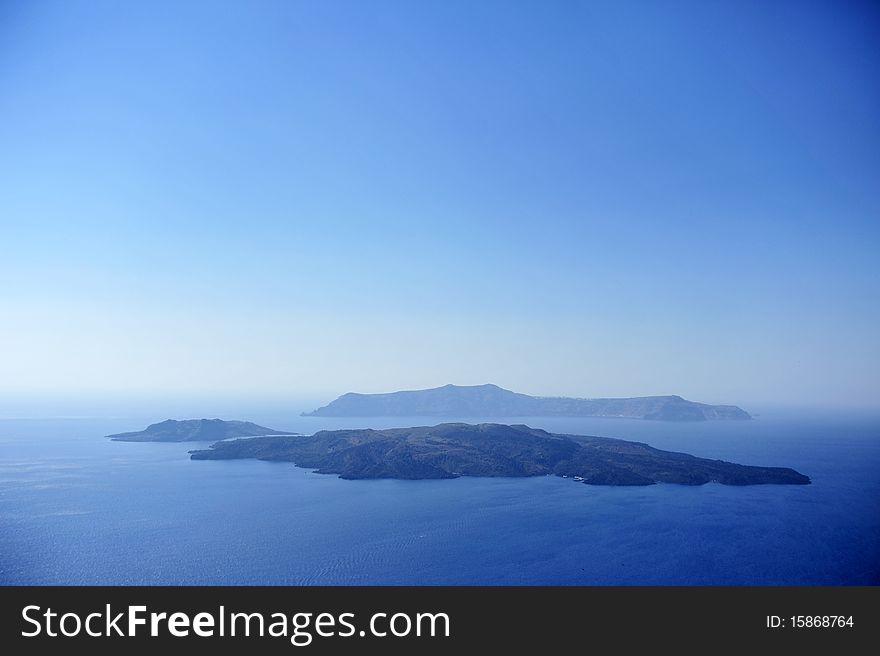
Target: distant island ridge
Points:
(493, 401)
(196, 430)
(456, 449)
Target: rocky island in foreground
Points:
(493, 401)
(195, 430)
(452, 450)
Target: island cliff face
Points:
(195, 430)
(493, 401)
(451, 450)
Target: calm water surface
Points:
(76, 508)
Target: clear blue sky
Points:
(580, 198)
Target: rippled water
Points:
(76, 508)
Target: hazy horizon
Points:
(271, 200)
(278, 408)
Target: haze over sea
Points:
(76, 508)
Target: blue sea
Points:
(76, 508)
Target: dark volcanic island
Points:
(452, 450)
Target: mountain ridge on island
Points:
(196, 430)
(494, 450)
(492, 401)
